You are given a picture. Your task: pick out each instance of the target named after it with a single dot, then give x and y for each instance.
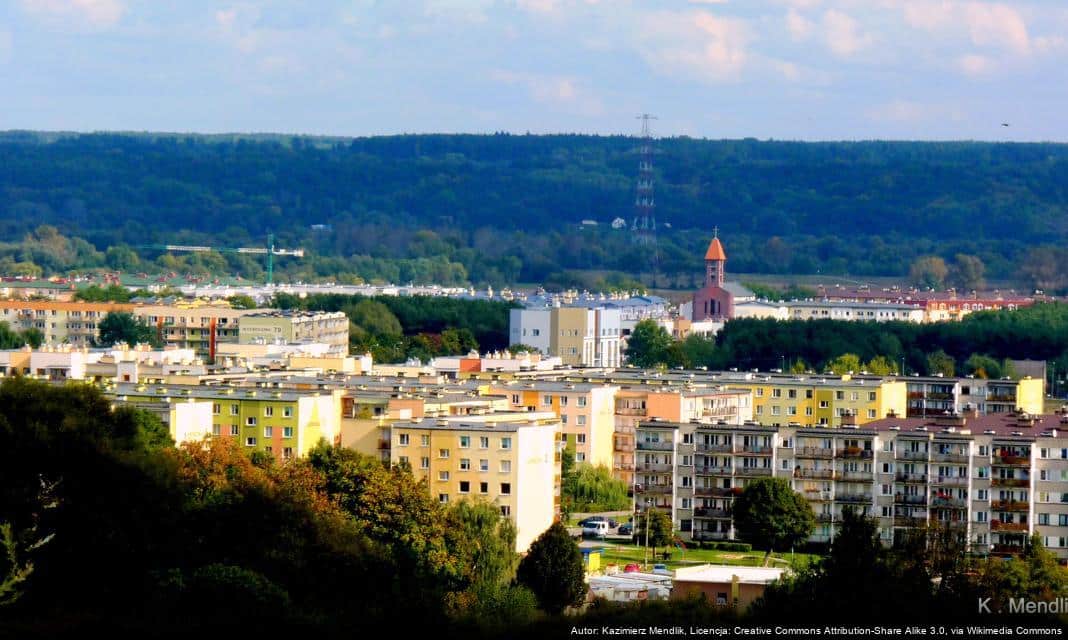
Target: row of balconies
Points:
(998, 525)
(703, 512)
(1010, 505)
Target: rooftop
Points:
(512, 421)
(719, 573)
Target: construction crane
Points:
(270, 250)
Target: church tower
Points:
(715, 263)
(713, 301)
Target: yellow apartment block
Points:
(823, 400)
(510, 460)
(1030, 395)
(60, 322)
(285, 423)
(586, 411)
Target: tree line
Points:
(502, 209)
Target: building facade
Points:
(73, 323)
(579, 336)
(293, 327)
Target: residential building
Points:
(936, 395)
(293, 327)
(855, 311)
(510, 460)
(74, 323)
(194, 324)
(283, 422)
(579, 336)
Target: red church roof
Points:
(715, 251)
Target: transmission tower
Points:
(643, 229)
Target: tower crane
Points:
(270, 251)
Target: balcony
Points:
(753, 471)
(1012, 460)
(911, 478)
(815, 474)
(714, 448)
(712, 470)
(949, 457)
(1010, 482)
(948, 503)
(853, 498)
(817, 496)
(655, 489)
(911, 455)
(655, 446)
(710, 535)
(854, 476)
(657, 467)
(1010, 505)
(383, 445)
(716, 492)
(630, 411)
(1001, 397)
(902, 498)
(997, 525)
(825, 517)
(1007, 549)
(623, 447)
(813, 452)
(909, 521)
(702, 512)
(949, 481)
(757, 450)
(855, 452)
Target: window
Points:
(839, 395)
(424, 441)
(980, 516)
(506, 443)
(234, 409)
(854, 396)
(465, 486)
(563, 401)
(776, 393)
(287, 453)
(268, 412)
(581, 400)
(443, 476)
(824, 404)
(287, 412)
(1043, 518)
(792, 394)
(483, 465)
(506, 510)
(250, 441)
(268, 449)
(760, 410)
(515, 398)
(982, 472)
(443, 453)
(871, 396)
(580, 420)
(403, 459)
(216, 430)
(506, 466)
(563, 418)
(250, 421)
(760, 392)
(887, 489)
(775, 410)
(287, 432)
(808, 411)
(981, 494)
(791, 410)
(216, 408)
(465, 464)
(465, 442)
(268, 432)
(871, 413)
(483, 442)
(506, 488)
(547, 400)
(1062, 520)
(443, 498)
(403, 439)
(424, 462)
(483, 487)
(580, 457)
(235, 430)
(580, 438)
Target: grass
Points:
(623, 554)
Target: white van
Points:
(595, 530)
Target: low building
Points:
(724, 585)
(510, 460)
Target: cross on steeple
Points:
(715, 232)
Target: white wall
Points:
(535, 477)
(523, 324)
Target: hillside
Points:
(506, 208)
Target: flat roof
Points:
(502, 421)
(1002, 425)
(723, 573)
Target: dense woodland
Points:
(502, 209)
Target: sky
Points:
(781, 69)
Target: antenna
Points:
(644, 227)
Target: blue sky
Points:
(784, 69)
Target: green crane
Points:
(270, 250)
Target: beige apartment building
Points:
(73, 323)
(288, 327)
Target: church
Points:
(716, 299)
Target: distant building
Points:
(288, 327)
(579, 336)
(716, 299)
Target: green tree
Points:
(661, 531)
(592, 488)
(845, 363)
(553, 571)
(121, 258)
(928, 271)
(241, 301)
(966, 272)
(771, 515)
(522, 348)
(374, 317)
(33, 336)
(940, 362)
(649, 345)
(881, 366)
(799, 366)
(982, 366)
(119, 326)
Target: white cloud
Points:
(709, 1)
(929, 14)
(538, 6)
(94, 13)
(798, 25)
(910, 112)
(975, 65)
(563, 91)
(695, 43)
(987, 24)
(843, 34)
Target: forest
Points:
(502, 209)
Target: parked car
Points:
(595, 530)
(661, 570)
(591, 520)
(612, 524)
(632, 568)
(626, 529)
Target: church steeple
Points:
(715, 262)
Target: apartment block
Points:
(936, 395)
(74, 323)
(586, 412)
(289, 326)
(994, 479)
(193, 325)
(285, 423)
(510, 460)
(819, 400)
(579, 336)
